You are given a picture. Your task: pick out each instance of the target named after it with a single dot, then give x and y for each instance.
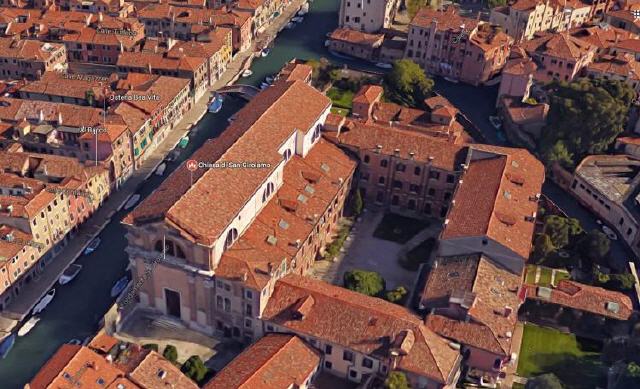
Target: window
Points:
(287, 154)
(417, 170)
(219, 303)
(414, 188)
(435, 175)
(353, 373)
(368, 363)
(249, 294)
(400, 167)
(443, 211)
(227, 305)
(170, 248)
(267, 191)
(249, 310)
(247, 323)
(383, 163)
(347, 356)
(381, 180)
(450, 178)
(328, 349)
(380, 197)
(397, 184)
(366, 159)
(447, 195)
(431, 192)
(232, 235)
(328, 365)
(395, 200)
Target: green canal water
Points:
(79, 306)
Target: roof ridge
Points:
(271, 357)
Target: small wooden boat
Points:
(384, 65)
(42, 304)
(184, 141)
(160, 169)
(297, 19)
(290, 25)
(28, 326)
(133, 200)
(215, 104)
(119, 286)
(6, 345)
(247, 73)
(76, 342)
(70, 273)
(93, 245)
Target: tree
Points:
(397, 295)
(407, 84)
(496, 3)
(194, 368)
(543, 246)
(151, 346)
(396, 380)
(365, 282)
(170, 353)
(558, 153)
(586, 115)
(357, 204)
(545, 381)
(595, 246)
(633, 370)
(561, 230)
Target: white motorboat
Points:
(264, 86)
(609, 233)
(70, 273)
(119, 286)
(290, 25)
(160, 169)
(384, 65)
(264, 52)
(247, 73)
(327, 43)
(133, 200)
(93, 245)
(76, 342)
(269, 80)
(304, 9)
(28, 326)
(42, 304)
(297, 19)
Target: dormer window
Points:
(232, 236)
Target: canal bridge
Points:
(247, 92)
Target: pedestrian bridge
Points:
(247, 92)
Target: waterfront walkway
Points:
(21, 306)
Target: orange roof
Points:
(27, 49)
(368, 94)
(586, 298)
(497, 194)
(54, 366)
(366, 324)
(275, 361)
(156, 372)
(356, 37)
(559, 45)
(448, 19)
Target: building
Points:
(18, 258)
(624, 19)
(474, 302)
(217, 262)
(367, 16)
(621, 67)
(495, 206)
(359, 335)
(559, 56)
(30, 59)
(107, 362)
(449, 45)
(239, 22)
(78, 89)
(276, 361)
(524, 18)
(523, 122)
(170, 21)
(608, 185)
(517, 75)
(355, 43)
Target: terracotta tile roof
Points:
(15, 110)
(520, 66)
(285, 109)
(362, 136)
(296, 71)
(207, 50)
(156, 372)
(251, 257)
(27, 49)
(368, 94)
(366, 324)
(586, 298)
(356, 37)
(445, 20)
(103, 343)
(625, 15)
(277, 361)
(86, 368)
(496, 196)
(232, 17)
(488, 293)
(8, 247)
(75, 86)
(559, 45)
(623, 65)
(632, 45)
(522, 113)
(603, 36)
(488, 37)
(143, 60)
(525, 5)
(54, 366)
(629, 140)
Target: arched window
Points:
(316, 133)
(268, 191)
(287, 154)
(232, 235)
(170, 248)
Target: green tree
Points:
(358, 204)
(558, 153)
(365, 282)
(194, 368)
(170, 353)
(633, 370)
(151, 346)
(407, 83)
(544, 381)
(90, 97)
(561, 230)
(496, 3)
(543, 246)
(397, 380)
(397, 295)
(595, 246)
(586, 115)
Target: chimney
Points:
(396, 152)
(100, 17)
(244, 277)
(87, 21)
(41, 116)
(59, 118)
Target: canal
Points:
(79, 306)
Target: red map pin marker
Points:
(192, 165)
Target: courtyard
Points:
(376, 242)
(575, 361)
